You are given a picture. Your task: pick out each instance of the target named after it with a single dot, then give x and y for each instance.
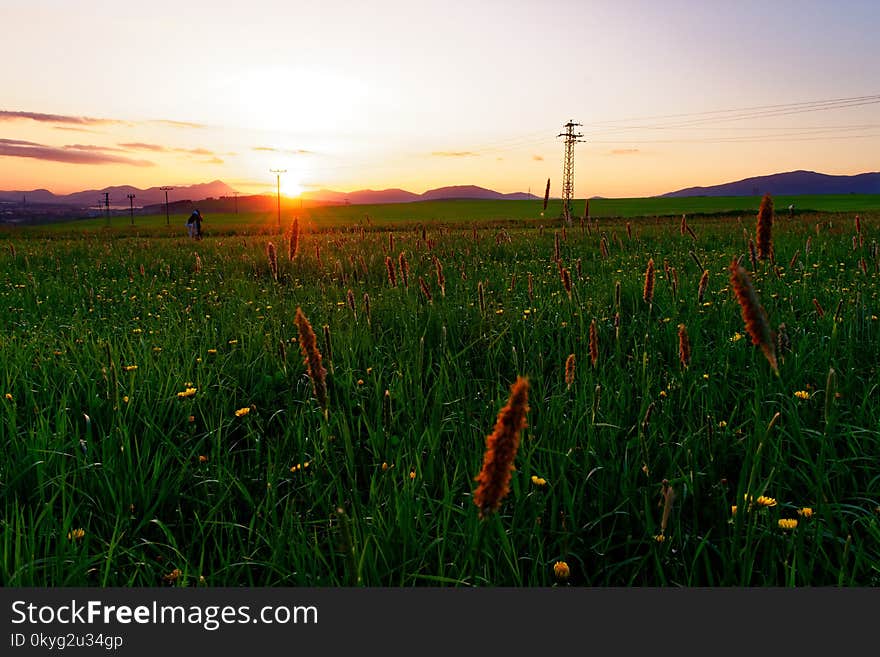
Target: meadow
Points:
(160, 425)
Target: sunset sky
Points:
(418, 95)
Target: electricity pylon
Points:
(571, 138)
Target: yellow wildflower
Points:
(189, 392)
(242, 411)
(736, 337)
(802, 394)
(539, 481)
(412, 474)
(76, 534)
(203, 458)
(806, 512)
(8, 396)
(660, 538)
(787, 523)
(212, 352)
(130, 368)
(561, 571)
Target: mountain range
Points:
(791, 183)
(118, 195)
(368, 196)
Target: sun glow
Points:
(290, 187)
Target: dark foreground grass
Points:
(110, 476)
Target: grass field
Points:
(160, 426)
(498, 213)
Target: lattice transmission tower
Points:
(571, 138)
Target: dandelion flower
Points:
(76, 534)
(189, 392)
(802, 394)
(130, 368)
(539, 481)
(806, 512)
(242, 411)
(788, 523)
(561, 571)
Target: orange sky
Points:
(422, 95)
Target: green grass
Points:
(165, 485)
(499, 213)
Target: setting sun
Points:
(291, 187)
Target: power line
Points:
(167, 215)
(278, 173)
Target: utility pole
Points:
(278, 173)
(167, 216)
(571, 138)
(131, 207)
(107, 206)
(235, 196)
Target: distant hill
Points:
(119, 195)
(792, 183)
(370, 196)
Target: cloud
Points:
(455, 154)
(18, 142)
(140, 146)
(179, 124)
(56, 118)
(213, 160)
(194, 151)
(624, 151)
(286, 151)
(90, 147)
(72, 129)
(537, 158)
(17, 148)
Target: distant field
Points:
(458, 212)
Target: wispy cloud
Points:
(454, 154)
(178, 124)
(537, 158)
(6, 115)
(194, 151)
(72, 129)
(624, 151)
(91, 147)
(18, 142)
(213, 160)
(18, 148)
(285, 151)
(141, 146)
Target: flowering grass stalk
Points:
(763, 236)
(648, 291)
(684, 346)
(594, 343)
(272, 256)
(392, 276)
(753, 313)
(569, 371)
(308, 345)
(501, 448)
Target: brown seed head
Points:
(308, 345)
(753, 313)
(763, 236)
(501, 447)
